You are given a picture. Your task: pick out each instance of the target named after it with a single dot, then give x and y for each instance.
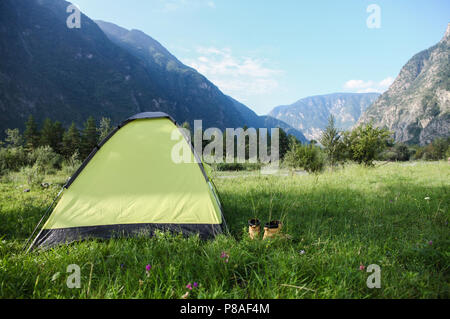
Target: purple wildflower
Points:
(225, 256)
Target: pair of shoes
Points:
(270, 229)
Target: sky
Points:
(266, 53)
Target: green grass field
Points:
(394, 215)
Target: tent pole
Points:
(40, 222)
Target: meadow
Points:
(336, 223)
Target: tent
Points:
(129, 185)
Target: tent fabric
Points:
(130, 185)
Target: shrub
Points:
(45, 159)
(403, 153)
(230, 167)
(12, 159)
(389, 155)
(32, 175)
(400, 152)
(71, 164)
(418, 155)
(441, 145)
(437, 150)
(308, 157)
(365, 143)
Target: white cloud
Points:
(387, 82)
(240, 77)
(360, 86)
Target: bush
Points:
(71, 164)
(32, 175)
(365, 143)
(403, 153)
(400, 153)
(308, 157)
(389, 155)
(230, 167)
(12, 159)
(418, 155)
(439, 149)
(45, 159)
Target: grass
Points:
(340, 219)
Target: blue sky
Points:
(267, 53)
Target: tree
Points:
(403, 152)
(105, 128)
(31, 134)
(57, 137)
(71, 141)
(441, 146)
(283, 143)
(308, 157)
(331, 141)
(89, 137)
(13, 138)
(52, 135)
(365, 142)
(47, 133)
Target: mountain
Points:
(417, 105)
(49, 70)
(179, 79)
(192, 95)
(253, 120)
(310, 115)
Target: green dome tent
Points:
(130, 185)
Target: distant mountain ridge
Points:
(417, 105)
(265, 121)
(49, 70)
(310, 115)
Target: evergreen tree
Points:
(330, 140)
(283, 143)
(47, 133)
(31, 134)
(89, 138)
(57, 137)
(71, 141)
